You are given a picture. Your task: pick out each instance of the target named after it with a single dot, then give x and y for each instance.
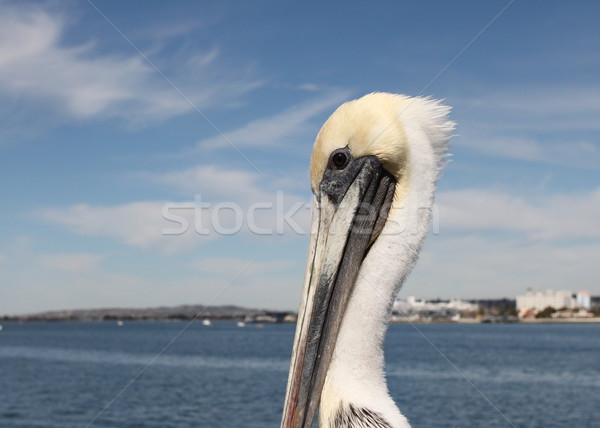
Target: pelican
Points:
(373, 172)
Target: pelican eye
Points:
(339, 159)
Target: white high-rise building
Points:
(584, 300)
(537, 300)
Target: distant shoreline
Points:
(595, 320)
(251, 315)
(519, 321)
(560, 320)
(174, 313)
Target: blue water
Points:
(63, 375)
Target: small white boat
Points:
(241, 324)
(206, 322)
(120, 323)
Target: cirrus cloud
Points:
(77, 81)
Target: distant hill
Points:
(183, 312)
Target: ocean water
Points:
(97, 374)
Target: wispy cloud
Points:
(539, 123)
(80, 82)
(277, 129)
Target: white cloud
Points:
(35, 65)
(233, 202)
(561, 216)
(73, 262)
(496, 244)
(274, 130)
(138, 224)
(475, 266)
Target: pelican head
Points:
(373, 171)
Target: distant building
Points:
(584, 300)
(414, 305)
(537, 300)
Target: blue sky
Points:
(107, 120)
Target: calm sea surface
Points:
(63, 375)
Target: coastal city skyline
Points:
(561, 305)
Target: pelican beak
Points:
(349, 211)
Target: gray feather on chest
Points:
(358, 417)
